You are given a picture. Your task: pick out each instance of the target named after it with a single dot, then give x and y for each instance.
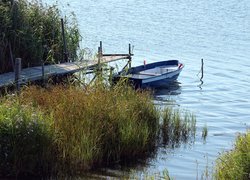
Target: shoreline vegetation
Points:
(32, 31)
(66, 131)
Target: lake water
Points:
(216, 30)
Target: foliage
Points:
(235, 164)
(32, 31)
(25, 141)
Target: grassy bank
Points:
(235, 164)
(69, 130)
(32, 31)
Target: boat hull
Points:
(153, 75)
(160, 81)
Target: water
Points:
(188, 30)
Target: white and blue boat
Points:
(153, 75)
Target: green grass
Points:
(235, 164)
(33, 31)
(25, 140)
(178, 126)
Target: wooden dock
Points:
(39, 72)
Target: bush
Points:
(33, 32)
(235, 164)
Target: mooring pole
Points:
(129, 52)
(18, 66)
(65, 53)
(202, 68)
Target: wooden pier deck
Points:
(36, 73)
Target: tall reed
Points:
(32, 31)
(97, 126)
(178, 126)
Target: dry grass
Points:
(98, 125)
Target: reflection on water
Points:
(201, 73)
(163, 95)
(201, 83)
(171, 89)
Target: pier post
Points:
(99, 55)
(65, 53)
(101, 47)
(129, 52)
(99, 62)
(18, 66)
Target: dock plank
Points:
(35, 73)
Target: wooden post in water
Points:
(65, 53)
(129, 52)
(18, 66)
(202, 68)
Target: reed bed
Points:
(32, 31)
(178, 126)
(65, 131)
(96, 126)
(235, 164)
